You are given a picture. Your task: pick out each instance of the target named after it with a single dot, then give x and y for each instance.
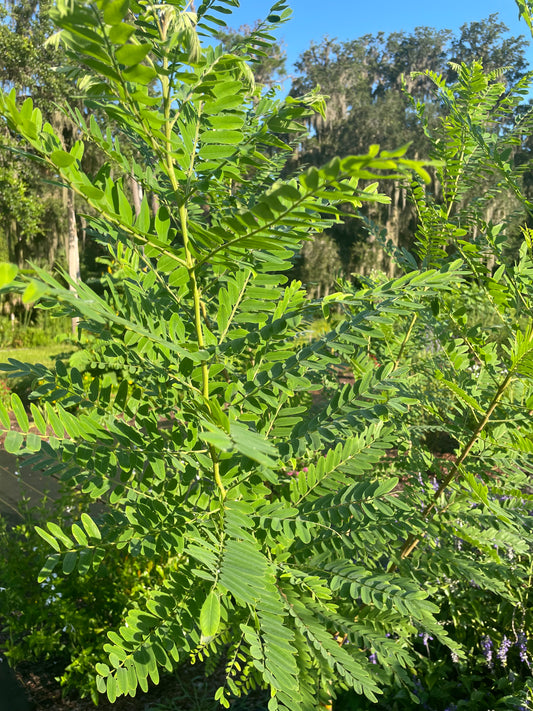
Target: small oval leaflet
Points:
(210, 615)
(13, 442)
(7, 273)
(61, 158)
(130, 54)
(90, 527)
(224, 136)
(69, 561)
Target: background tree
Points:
(486, 41)
(268, 56)
(38, 220)
(32, 212)
(366, 81)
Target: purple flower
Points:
(425, 639)
(521, 643)
(486, 644)
(373, 658)
(502, 652)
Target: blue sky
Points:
(348, 19)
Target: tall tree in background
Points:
(37, 218)
(364, 79)
(486, 42)
(268, 63)
(28, 62)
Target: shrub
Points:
(59, 618)
(299, 536)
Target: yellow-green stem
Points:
(200, 338)
(412, 542)
(188, 258)
(406, 338)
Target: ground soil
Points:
(42, 692)
(187, 689)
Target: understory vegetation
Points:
(326, 498)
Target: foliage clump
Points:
(285, 485)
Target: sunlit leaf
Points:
(210, 615)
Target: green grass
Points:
(47, 355)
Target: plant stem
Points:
(188, 256)
(404, 342)
(412, 542)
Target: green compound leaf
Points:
(91, 191)
(226, 121)
(69, 561)
(38, 418)
(4, 416)
(79, 534)
(213, 151)
(120, 34)
(56, 531)
(48, 567)
(141, 74)
(115, 11)
(102, 669)
(33, 442)
(111, 688)
(222, 136)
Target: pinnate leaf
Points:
(115, 11)
(222, 136)
(69, 561)
(48, 538)
(48, 567)
(119, 34)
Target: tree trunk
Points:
(393, 226)
(155, 204)
(137, 195)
